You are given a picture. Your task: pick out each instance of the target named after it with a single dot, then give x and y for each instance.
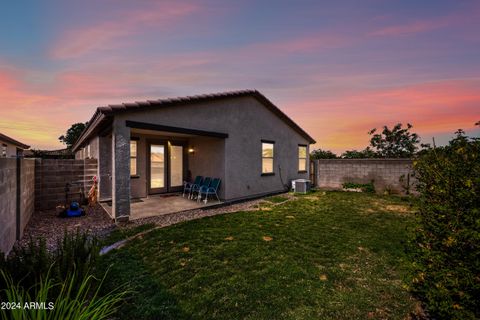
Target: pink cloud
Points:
(117, 31)
(426, 25)
(304, 44)
(412, 28)
(342, 122)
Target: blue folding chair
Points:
(205, 184)
(211, 190)
(188, 186)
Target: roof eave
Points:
(264, 100)
(97, 118)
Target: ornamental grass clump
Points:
(77, 297)
(445, 250)
(61, 283)
(32, 262)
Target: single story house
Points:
(10, 147)
(152, 147)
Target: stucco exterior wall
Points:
(208, 160)
(94, 148)
(247, 122)
(90, 151)
(79, 154)
(138, 184)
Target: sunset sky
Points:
(337, 68)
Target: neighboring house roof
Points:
(102, 114)
(52, 154)
(13, 141)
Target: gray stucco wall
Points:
(208, 160)
(386, 173)
(139, 185)
(247, 122)
(8, 199)
(92, 146)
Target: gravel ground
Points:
(48, 225)
(169, 219)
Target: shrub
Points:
(322, 154)
(365, 187)
(445, 249)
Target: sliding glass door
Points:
(176, 168)
(166, 167)
(157, 168)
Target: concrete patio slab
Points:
(158, 205)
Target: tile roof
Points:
(112, 109)
(13, 141)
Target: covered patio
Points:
(158, 205)
(146, 165)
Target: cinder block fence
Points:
(385, 173)
(52, 175)
(17, 194)
(27, 185)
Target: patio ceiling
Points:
(169, 129)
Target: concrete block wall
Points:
(17, 194)
(8, 203)
(27, 193)
(386, 173)
(52, 175)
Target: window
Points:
(302, 158)
(4, 150)
(133, 157)
(267, 157)
(88, 152)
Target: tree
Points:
(397, 142)
(322, 154)
(355, 154)
(445, 249)
(73, 134)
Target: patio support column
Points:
(105, 168)
(120, 171)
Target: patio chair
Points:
(211, 190)
(205, 184)
(188, 186)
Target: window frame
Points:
(302, 159)
(272, 173)
(4, 150)
(135, 175)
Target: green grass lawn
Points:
(333, 255)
